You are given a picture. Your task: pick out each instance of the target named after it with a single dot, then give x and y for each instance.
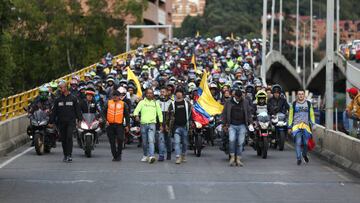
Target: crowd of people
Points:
(162, 100)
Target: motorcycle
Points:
(40, 133)
(197, 138)
(88, 131)
(262, 134)
(280, 123)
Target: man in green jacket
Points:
(151, 113)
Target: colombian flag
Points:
(132, 76)
(206, 106)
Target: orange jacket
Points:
(115, 112)
(354, 106)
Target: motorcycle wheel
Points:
(88, 143)
(265, 147)
(281, 140)
(198, 145)
(39, 144)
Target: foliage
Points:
(45, 39)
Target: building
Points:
(183, 8)
(349, 30)
(158, 12)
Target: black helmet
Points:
(276, 88)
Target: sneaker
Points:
(299, 162)
(65, 159)
(144, 159)
(178, 160)
(306, 159)
(238, 161)
(69, 159)
(152, 160)
(183, 158)
(161, 158)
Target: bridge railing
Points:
(14, 105)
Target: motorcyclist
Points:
(277, 104)
(43, 102)
(260, 102)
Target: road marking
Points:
(170, 190)
(15, 157)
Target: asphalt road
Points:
(353, 62)
(32, 178)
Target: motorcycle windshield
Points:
(263, 117)
(89, 117)
(40, 116)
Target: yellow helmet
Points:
(261, 94)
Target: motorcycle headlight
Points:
(94, 125)
(264, 125)
(43, 123)
(84, 126)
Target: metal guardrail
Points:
(14, 105)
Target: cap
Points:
(352, 91)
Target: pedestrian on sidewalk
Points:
(150, 113)
(116, 112)
(300, 122)
(178, 123)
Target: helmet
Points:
(73, 82)
(43, 92)
(260, 94)
(237, 83)
(276, 88)
(122, 90)
(53, 85)
(145, 67)
(213, 85)
(87, 75)
(216, 76)
(250, 88)
(191, 86)
(110, 78)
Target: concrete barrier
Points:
(13, 134)
(338, 148)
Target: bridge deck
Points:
(33, 178)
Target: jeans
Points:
(301, 144)
(180, 136)
(164, 143)
(148, 138)
(236, 139)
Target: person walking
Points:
(65, 113)
(116, 112)
(300, 122)
(236, 117)
(150, 112)
(178, 122)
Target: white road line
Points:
(171, 192)
(15, 157)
